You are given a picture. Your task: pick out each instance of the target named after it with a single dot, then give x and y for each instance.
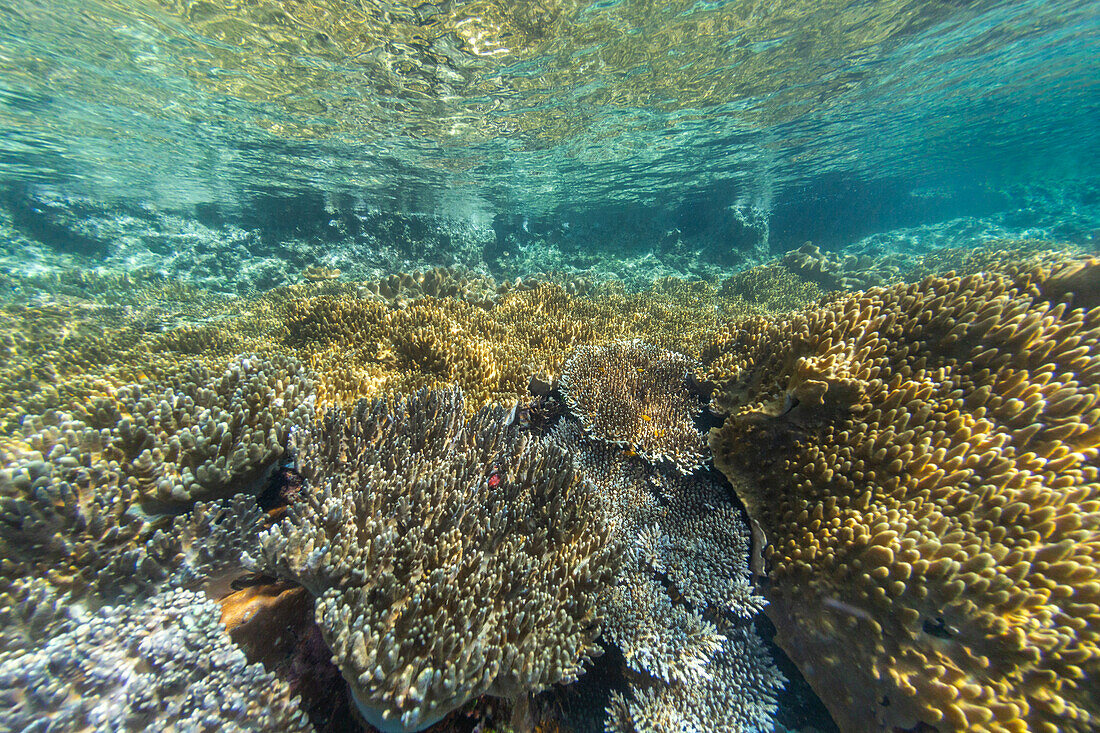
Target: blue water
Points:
(565, 111)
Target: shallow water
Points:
(221, 220)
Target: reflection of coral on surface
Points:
(434, 583)
(924, 461)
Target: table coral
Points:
(681, 606)
(924, 461)
(635, 395)
(449, 558)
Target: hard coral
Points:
(924, 461)
(78, 489)
(681, 605)
(636, 396)
(160, 664)
(449, 558)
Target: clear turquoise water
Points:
(568, 110)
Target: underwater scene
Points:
(550, 366)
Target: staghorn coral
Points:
(61, 349)
(924, 461)
(94, 538)
(205, 434)
(204, 548)
(161, 664)
(635, 395)
(401, 289)
(449, 558)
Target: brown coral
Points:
(924, 461)
(449, 558)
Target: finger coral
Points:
(79, 490)
(924, 461)
(449, 558)
(635, 395)
(197, 437)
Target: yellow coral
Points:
(924, 462)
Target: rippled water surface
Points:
(533, 106)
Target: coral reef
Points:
(448, 558)
(634, 395)
(922, 458)
(161, 664)
(359, 347)
(196, 437)
(924, 462)
(91, 335)
(839, 272)
(681, 606)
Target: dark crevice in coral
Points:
(582, 705)
(799, 707)
(283, 484)
(281, 634)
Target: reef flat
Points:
(443, 489)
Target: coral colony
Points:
(434, 491)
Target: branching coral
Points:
(924, 460)
(737, 694)
(161, 664)
(200, 436)
(75, 486)
(449, 558)
(635, 395)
